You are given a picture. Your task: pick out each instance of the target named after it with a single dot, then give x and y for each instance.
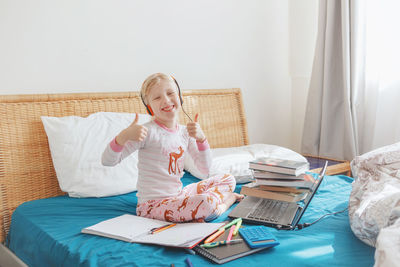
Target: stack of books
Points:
(279, 179)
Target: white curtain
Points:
(382, 65)
(353, 91)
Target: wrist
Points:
(201, 140)
(115, 146)
(203, 145)
(120, 139)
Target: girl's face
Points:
(163, 99)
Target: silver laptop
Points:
(275, 213)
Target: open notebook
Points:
(135, 229)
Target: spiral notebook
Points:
(229, 252)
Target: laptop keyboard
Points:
(269, 210)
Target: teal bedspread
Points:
(46, 232)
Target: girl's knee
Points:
(204, 206)
(208, 201)
(229, 179)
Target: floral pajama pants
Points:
(195, 202)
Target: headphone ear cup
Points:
(149, 110)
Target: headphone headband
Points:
(179, 89)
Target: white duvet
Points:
(374, 206)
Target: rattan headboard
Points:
(26, 168)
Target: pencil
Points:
(163, 228)
(189, 263)
(214, 236)
(158, 228)
(220, 243)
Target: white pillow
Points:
(76, 146)
(235, 160)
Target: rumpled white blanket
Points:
(374, 205)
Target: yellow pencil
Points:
(164, 228)
(214, 236)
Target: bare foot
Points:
(229, 199)
(239, 197)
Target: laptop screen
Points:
(310, 196)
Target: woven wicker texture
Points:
(26, 168)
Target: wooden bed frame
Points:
(26, 168)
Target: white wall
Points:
(54, 46)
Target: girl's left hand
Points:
(195, 130)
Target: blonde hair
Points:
(151, 81)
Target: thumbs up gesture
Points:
(134, 132)
(195, 130)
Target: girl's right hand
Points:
(134, 132)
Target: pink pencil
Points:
(231, 233)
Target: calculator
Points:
(258, 236)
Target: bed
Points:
(41, 225)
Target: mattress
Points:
(47, 232)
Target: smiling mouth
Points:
(168, 109)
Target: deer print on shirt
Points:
(173, 161)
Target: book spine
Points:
(256, 166)
(274, 175)
(265, 194)
(282, 189)
(293, 184)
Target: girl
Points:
(162, 145)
